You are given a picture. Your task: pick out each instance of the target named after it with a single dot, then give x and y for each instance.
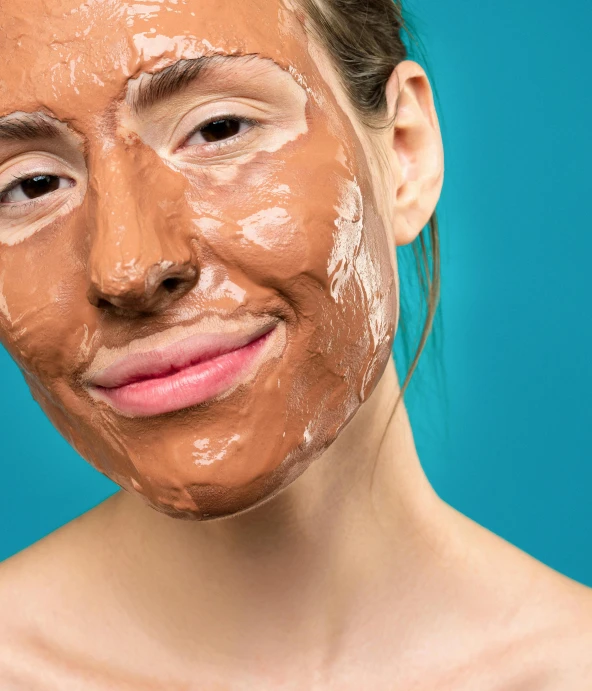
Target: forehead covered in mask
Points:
(72, 58)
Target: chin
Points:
(206, 502)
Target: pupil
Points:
(221, 129)
(40, 185)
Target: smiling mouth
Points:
(184, 374)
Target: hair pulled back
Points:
(365, 39)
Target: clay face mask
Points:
(194, 274)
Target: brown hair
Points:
(365, 39)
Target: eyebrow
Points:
(172, 80)
(153, 89)
(26, 126)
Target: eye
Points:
(219, 130)
(25, 189)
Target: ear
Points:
(417, 146)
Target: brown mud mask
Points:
(195, 276)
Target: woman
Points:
(199, 209)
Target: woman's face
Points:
(195, 276)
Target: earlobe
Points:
(417, 144)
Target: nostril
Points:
(143, 293)
(103, 304)
(171, 284)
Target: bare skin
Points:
(353, 574)
(361, 578)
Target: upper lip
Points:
(162, 362)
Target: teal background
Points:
(501, 408)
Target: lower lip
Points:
(188, 387)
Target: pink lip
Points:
(181, 375)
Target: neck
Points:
(308, 570)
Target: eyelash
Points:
(15, 182)
(224, 142)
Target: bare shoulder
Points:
(38, 578)
(28, 579)
(14, 660)
(568, 644)
(548, 647)
(554, 652)
(25, 606)
(62, 625)
(41, 589)
(528, 627)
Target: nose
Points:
(141, 256)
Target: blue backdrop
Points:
(505, 435)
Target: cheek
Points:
(267, 222)
(305, 230)
(42, 292)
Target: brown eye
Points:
(33, 188)
(220, 129)
(40, 185)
